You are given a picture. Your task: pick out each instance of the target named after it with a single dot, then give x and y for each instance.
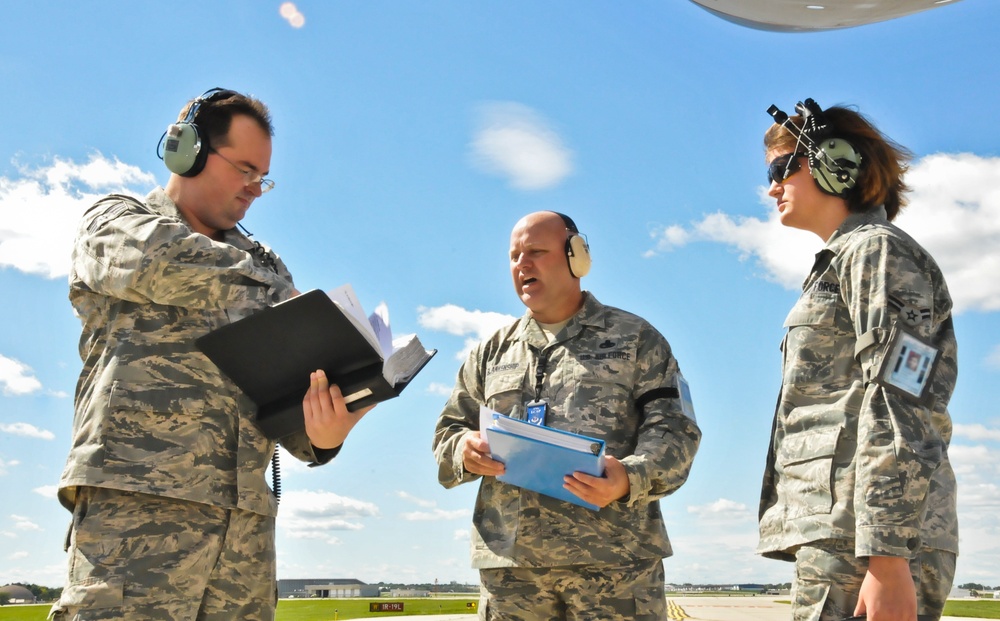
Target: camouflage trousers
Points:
(135, 556)
(828, 581)
(579, 593)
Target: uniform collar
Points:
(855, 221)
(159, 201)
(851, 223)
(590, 314)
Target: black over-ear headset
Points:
(833, 162)
(577, 248)
(185, 145)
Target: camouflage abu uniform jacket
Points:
(850, 458)
(153, 414)
(602, 375)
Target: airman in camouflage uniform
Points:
(172, 516)
(858, 488)
(603, 373)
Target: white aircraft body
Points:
(812, 15)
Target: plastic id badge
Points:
(908, 365)
(536, 411)
(687, 404)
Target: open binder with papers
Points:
(537, 457)
(271, 353)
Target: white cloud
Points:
(462, 534)
(784, 254)
(436, 388)
(45, 574)
(26, 430)
(24, 523)
(7, 464)
(475, 324)
(16, 556)
(436, 515)
(974, 462)
(48, 491)
(954, 212)
(433, 514)
(977, 470)
(721, 509)
(420, 502)
(40, 209)
(311, 515)
(515, 142)
(976, 433)
(16, 377)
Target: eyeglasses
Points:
(783, 167)
(250, 177)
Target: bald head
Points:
(548, 221)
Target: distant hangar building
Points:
(325, 587)
(18, 594)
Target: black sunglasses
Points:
(783, 167)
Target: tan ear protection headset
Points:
(577, 248)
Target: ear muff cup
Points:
(578, 255)
(836, 167)
(185, 151)
(185, 146)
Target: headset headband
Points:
(209, 95)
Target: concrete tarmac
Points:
(736, 608)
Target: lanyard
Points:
(543, 361)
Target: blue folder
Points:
(540, 463)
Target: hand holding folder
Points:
(271, 353)
(537, 457)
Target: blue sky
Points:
(410, 137)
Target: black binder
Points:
(271, 353)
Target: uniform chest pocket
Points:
(815, 309)
(809, 343)
(600, 404)
(504, 393)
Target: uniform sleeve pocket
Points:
(805, 464)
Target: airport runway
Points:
(737, 608)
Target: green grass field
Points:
(336, 609)
(310, 609)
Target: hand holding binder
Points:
(537, 457)
(271, 353)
